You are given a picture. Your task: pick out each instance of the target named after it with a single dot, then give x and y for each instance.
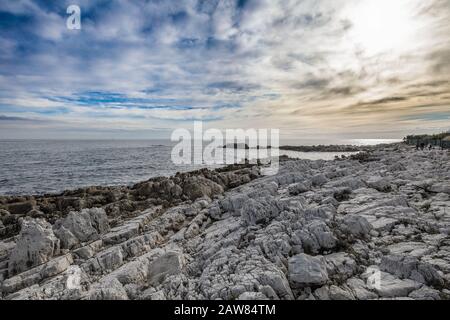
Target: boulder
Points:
(323, 235)
(298, 188)
(410, 267)
(111, 289)
(80, 225)
(198, 187)
(340, 266)
(425, 293)
(85, 226)
(169, 263)
(99, 220)
(389, 286)
(356, 225)
(260, 211)
(360, 289)
(381, 184)
(306, 271)
(67, 238)
(319, 180)
(36, 244)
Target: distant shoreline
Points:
(317, 148)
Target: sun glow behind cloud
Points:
(381, 26)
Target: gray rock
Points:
(298, 188)
(384, 224)
(260, 211)
(322, 234)
(425, 293)
(340, 266)
(410, 267)
(170, 263)
(252, 296)
(110, 259)
(99, 220)
(356, 225)
(443, 187)
(67, 239)
(198, 187)
(305, 271)
(80, 225)
(389, 286)
(319, 180)
(339, 293)
(379, 183)
(111, 289)
(360, 290)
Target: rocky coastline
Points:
(371, 226)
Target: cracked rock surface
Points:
(370, 227)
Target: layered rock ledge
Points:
(374, 226)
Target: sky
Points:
(140, 69)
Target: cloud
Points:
(157, 64)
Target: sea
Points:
(33, 167)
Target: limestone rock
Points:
(109, 290)
(36, 244)
(170, 263)
(389, 286)
(305, 271)
(411, 267)
(84, 226)
(356, 225)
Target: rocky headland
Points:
(371, 226)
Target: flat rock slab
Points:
(389, 286)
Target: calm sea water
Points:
(38, 166)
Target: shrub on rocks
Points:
(21, 208)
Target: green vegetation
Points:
(440, 139)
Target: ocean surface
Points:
(52, 166)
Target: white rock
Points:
(36, 244)
(252, 296)
(389, 286)
(80, 225)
